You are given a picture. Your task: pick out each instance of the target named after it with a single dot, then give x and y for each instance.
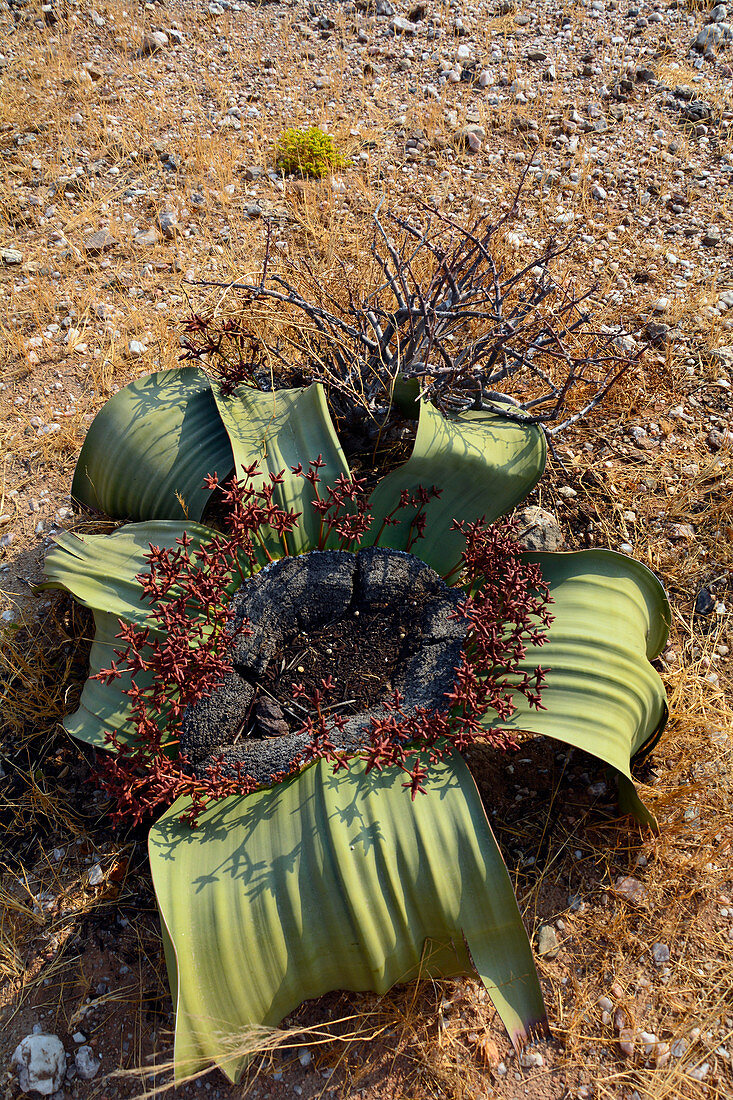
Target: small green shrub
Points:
(308, 153)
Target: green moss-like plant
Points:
(308, 153)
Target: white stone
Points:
(96, 875)
(40, 1063)
(87, 1064)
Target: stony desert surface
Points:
(137, 156)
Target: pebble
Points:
(11, 256)
(39, 1061)
(711, 237)
(152, 42)
(148, 237)
(626, 1041)
(660, 953)
(661, 1055)
(400, 25)
(630, 888)
(87, 1063)
(539, 529)
(531, 1059)
(97, 243)
(708, 38)
(96, 875)
(168, 222)
(648, 1042)
(547, 943)
(698, 1073)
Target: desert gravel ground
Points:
(137, 160)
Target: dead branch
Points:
(442, 314)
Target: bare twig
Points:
(442, 312)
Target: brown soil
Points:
(362, 652)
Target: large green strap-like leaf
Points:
(279, 430)
(611, 617)
(103, 707)
(332, 882)
(100, 572)
(483, 463)
(150, 447)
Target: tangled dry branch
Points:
(440, 320)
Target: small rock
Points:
(270, 719)
(152, 42)
(708, 38)
(148, 237)
(723, 357)
(168, 222)
(630, 889)
(648, 1041)
(531, 1059)
(136, 348)
(539, 529)
(626, 1041)
(11, 256)
(704, 602)
(678, 1048)
(661, 1055)
(711, 237)
(96, 875)
(87, 1064)
(661, 305)
(304, 1056)
(698, 1073)
(400, 25)
(682, 531)
(547, 944)
(657, 334)
(605, 1004)
(95, 72)
(40, 1063)
(97, 243)
(660, 953)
